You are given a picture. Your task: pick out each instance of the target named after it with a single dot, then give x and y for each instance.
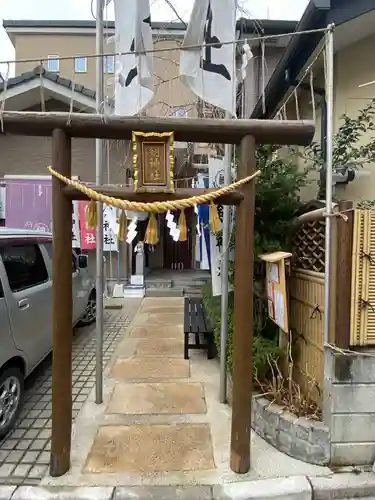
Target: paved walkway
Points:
(161, 422)
(25, 452)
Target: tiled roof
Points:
(53, 77)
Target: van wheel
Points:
(11, 398)
(90, 313)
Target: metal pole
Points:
(99, 229)
(224, 280)
(329, 168)
(225, 257)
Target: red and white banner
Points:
(88, 235)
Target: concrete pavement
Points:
(161, 423)
(336, 486)
(162, 434)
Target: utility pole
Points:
(99, 143)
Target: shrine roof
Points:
(53, 77)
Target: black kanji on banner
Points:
(108, 240)
(134, 71)
(206, 61)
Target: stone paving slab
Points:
(65, 493)
(163, 309)
(165, 319)
(150, 368)
(151, 448)
(165, 348)
(106, 493)
(153, 302)
(6, 492)
(158, 332)
(154, 399)
(163, 493)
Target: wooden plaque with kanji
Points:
(153, 162)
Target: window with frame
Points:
(48, 247)
(53, 64)
(24, 266)
(109, 64)
(80, 64)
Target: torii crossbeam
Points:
(247, 133)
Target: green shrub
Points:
(264, 349)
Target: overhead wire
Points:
(165, 49)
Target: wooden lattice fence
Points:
(306, 305)
(308, 246)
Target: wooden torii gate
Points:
(246, 133)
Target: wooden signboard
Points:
(153, 162)
(276, 288)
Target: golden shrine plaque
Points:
(153, 162)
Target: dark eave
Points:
(318, 14)
(266, 26)
(294, 57)
(10, 23)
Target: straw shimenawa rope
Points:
(151, 236)
(156, 206)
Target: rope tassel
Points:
(121, 226)
(215, 219)
(92, 214)
(151, 236)
(182, 226)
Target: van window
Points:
(24, 265)
(48, 247)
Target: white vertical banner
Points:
(2, 200)
(134, 82)
(215, 167)
(110, 240)
(76, 233)
(210, 71)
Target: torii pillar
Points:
(246, 133)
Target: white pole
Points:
(224, 268)
(99, 229)
(329, 168)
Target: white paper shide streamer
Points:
(172, 226)
(210, 71)
(247, 55)
(134, 87)
(132, 230)
(198, 226)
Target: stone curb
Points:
(334, 487)
(285, 488)
(343, 485)
(297, 488)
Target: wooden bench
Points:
(197, 323)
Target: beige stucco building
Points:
(354, 38)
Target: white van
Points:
(26, 311)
